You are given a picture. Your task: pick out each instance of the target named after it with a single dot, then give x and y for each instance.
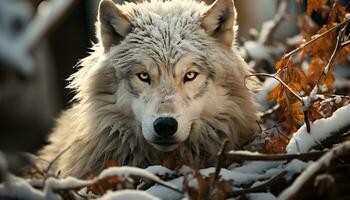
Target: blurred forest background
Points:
(32, 83)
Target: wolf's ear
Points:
(112, 25)
(219, 21)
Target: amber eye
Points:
(190, 76)
(144, 77)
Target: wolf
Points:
(165, 76)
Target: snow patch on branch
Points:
(159, 170)
(261, 196)
(302, 141)
(129, 195)
(18, 188)
(324, 161)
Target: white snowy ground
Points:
(253, 172)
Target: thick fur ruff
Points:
(102, 126)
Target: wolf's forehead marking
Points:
(165, 38)
(163, 35)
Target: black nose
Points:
(165, 126)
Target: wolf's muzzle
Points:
(165, 126)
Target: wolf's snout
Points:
(165, 126)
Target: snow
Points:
(261, 196)
(159, 170)
(256, 50)
(132, 171)
(302, 141)
(129, 195)
(309, 99)
(87, 194)
(324, 161)
(166, 193)
(257, 167)
(264, 92)
(322, 177)
(337, 99)
(269, 26)
(295, 167)
(315, 36)
(53, 184)
(185, 170)
(244, 152)
(238, 177)
(18, 188)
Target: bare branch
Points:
(307, 102)
(55, 159)
(274, 76)
(221, 157)
(315, 38)
(269, 111)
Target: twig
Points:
(305, 111)
(279, 80)
(343, 44)
(336, 95)
(240, 157)
(314, 39)
(261, 187)
(307, 101)
(331, 59)
(221, 157)
(269, 111)
(323, 163)
(275, 126)
(78, 184)
(55, 159)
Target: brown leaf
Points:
(316, 5)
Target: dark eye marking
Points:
(190, 76)
(144, 77)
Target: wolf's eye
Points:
(190, 76)
(144, 77)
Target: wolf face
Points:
(164, 76)
(161, 55)
(168, 99)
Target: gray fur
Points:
(102, 126)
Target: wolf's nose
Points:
(165, 126)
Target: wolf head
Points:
(171, 67)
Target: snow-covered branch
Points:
(240, 156)
(270, 26)
(324, 162)
(302, 141)
(53, 186)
